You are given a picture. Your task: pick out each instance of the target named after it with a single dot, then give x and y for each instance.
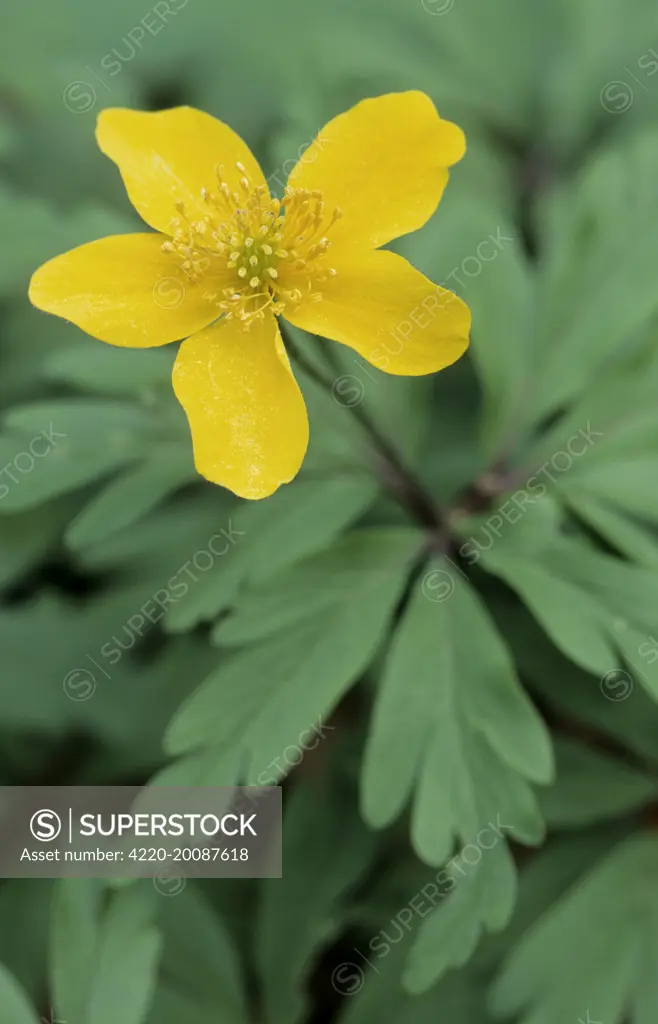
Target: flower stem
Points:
(398, 477)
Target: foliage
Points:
(458, 594)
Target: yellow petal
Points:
(384, 164)
(246, 412)
(387, 311)
(123, 289)
(170, 156)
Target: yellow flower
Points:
(228, 258)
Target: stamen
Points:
(276, 248)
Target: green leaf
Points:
(613, 418)
(629, 483)
(23, 949)
(27, 537)
(200, 975)
(306, 909)
(605, 73)
(545, 878)
(88, 676)
(599, 939)
(483, 897)
(154, 552)
(631, 721)
(132, 494)
(38, 232)
(77, 909)
(452, 720)
(105, 370)
(609, 481)
(211, 767)
(520, 528)
(128, 952)
(266, 698)
(56, 447)
(603, 246)
(500, 296)
(377, 995)
(639, 651)
(573, 620)
(104, 960)
(274, 534)
(304, 590)
(637, 540)
(623, 591)
(593, 607)
(14, 1005)
(592, 787)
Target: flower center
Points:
(252, 252)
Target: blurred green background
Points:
(486, 670)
